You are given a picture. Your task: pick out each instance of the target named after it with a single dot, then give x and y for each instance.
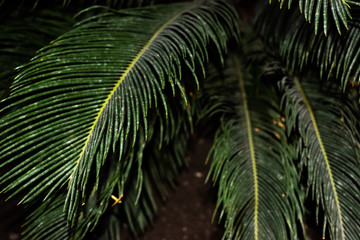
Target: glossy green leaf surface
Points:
(328, 125)
(91, 89)
(253, 165)
(325, 11)
(335, 56)
(21, 38)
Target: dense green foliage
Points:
(100, 99)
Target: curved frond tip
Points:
(253, 165)
(320, 10)
(327, 122)
(335, 56)
(89, 91)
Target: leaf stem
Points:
(323, 150)
(251, 144)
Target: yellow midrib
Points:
(128, 69)
(251, 146)
(323, 152)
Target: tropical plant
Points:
(101, 105)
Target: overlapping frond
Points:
(321, 9)
(163, 158)
(113, 229)
(15, 5)
(253, 165)
(327, 122)
(21, 38)
(336, 56)
(85, 114)
(88, 92)
(83, 94)
(48, 221)
(130, 188)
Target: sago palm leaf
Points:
(158, 161)
(48, 221)
(70, 5)
(252, 164)
(113, 229)
(22, 35)
(336, 56)
(339, 9)
(328, 123)
(88, 92)
(156, 166)
(164, 156)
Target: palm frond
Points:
(140, 211)
(328, 126)
(253, 165)
(335, 56)
(113, 229)
(21, 38)
(157, 164)
(88, 92)
(339, 9)
(164, 157)
(48, 221)
(13, 6)
(163, 164)
(115, 178)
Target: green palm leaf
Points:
(157, 165)
(339, 9)
(90, 90)
(336, 56)
(163, 157)
(113, 228)
(253, 165)
(21, 38)
(48, 221)
(328, 126)
(15, 5)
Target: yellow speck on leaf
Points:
(277, 135)
(281, 125)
